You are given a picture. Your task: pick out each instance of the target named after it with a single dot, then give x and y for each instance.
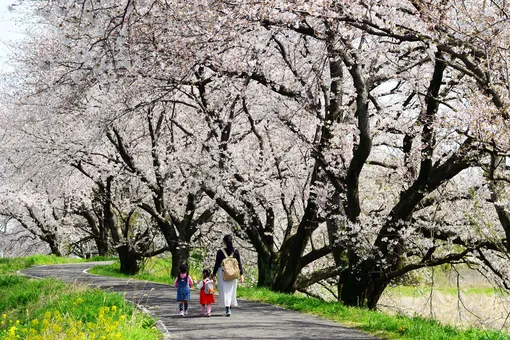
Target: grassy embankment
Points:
(412, 291)
(373, 322)
(50, 309)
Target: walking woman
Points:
(227, 289)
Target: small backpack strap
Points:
(225, 253)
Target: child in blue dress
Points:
(183, 283)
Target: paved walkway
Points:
(250, 320)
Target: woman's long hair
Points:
(228, 242)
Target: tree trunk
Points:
(285, 281)
(268, 269)
(102, 241)
(276, 275)
(335, 224)
(102, 247)
(129, 260)
(497, 190)
(361, 287)
(53, 243)
(180, 255)
(287, 269)
(97, 228)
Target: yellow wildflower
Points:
(45, 323)
(12, 331)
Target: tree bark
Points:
(128, 256)
(129, 260)
(497, 190)
(180, 255)
(47, 234)
(53, 243)
(361, 288)
(97, 231)
(267, 271)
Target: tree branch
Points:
(304, 281)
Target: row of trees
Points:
(348, 140)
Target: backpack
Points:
(209, 287)
(230, 267)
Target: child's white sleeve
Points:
(200, 284)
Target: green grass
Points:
(154, 269)
(51, 309)
(373, 322)
(412, 291)
(18, 292)
(12, 264)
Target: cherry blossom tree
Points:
(412, 48)
(51, 142)
(329, 132)
(130, 114)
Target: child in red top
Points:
(205, 299)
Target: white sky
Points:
(10, 30)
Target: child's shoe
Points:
(228, 313)
(182, 313)
(208, 315)
(186, 312)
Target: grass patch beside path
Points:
(154, 269)
(373, 322)
(50, 309)
(13, 264)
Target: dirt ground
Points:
(475, 303)
(477, 310)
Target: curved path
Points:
(250, 320)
